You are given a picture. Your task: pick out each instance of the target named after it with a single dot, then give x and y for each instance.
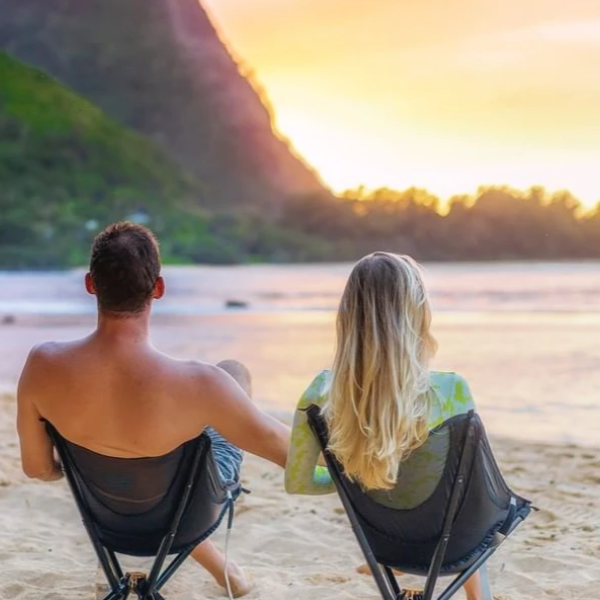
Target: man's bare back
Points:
(108, 394)
(115, 394)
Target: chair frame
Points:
(385, 579)
(123, 584)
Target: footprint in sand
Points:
(240, 509)
(12, 590)
(515, 470)
(330, 578)
(543, 518)
(593, 479)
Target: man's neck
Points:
(132, 328)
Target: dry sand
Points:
(302, 548)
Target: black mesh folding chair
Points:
(462, 510)
(152, 507)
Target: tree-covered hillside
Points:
(65, 169)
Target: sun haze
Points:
(443, 94)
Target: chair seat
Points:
(415, 557)
(454, 530)
(155, 506)
(132, 501)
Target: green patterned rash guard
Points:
(451, 396)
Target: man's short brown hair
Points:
(124, 265)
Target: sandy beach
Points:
(534, 377)
(302, 548)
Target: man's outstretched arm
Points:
(231, 412)
(37, 454)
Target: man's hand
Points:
(54, 475)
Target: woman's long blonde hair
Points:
(378, 399)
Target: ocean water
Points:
(454, 287)
(526, 336)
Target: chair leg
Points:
(486, 590)
(393, 581)
(114, 563)
(173, 566)
(388, 586)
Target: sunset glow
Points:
(446, 95)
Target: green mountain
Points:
(66, 169)
(159, 67)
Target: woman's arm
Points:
(302, 473)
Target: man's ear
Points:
(159, 289)
(89, 284)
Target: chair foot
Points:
(138, 584)
(118, 595)
(411, 595)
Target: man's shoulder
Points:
(192, 367)
(53, 355)
(48, 351)
(41, 365)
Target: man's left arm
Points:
(37, 453)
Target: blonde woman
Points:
(380, 399)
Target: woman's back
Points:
(450, 396)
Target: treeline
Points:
(499, 223)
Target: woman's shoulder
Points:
(446, 378)
(316, 392)
(452, 392)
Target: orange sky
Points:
(442, 94)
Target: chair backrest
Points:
(404, 526)
(132, 503)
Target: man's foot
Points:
(214, 562)
(240, 586)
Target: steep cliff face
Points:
(159, 67)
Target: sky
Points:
(442, 94)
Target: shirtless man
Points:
(92, 389)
